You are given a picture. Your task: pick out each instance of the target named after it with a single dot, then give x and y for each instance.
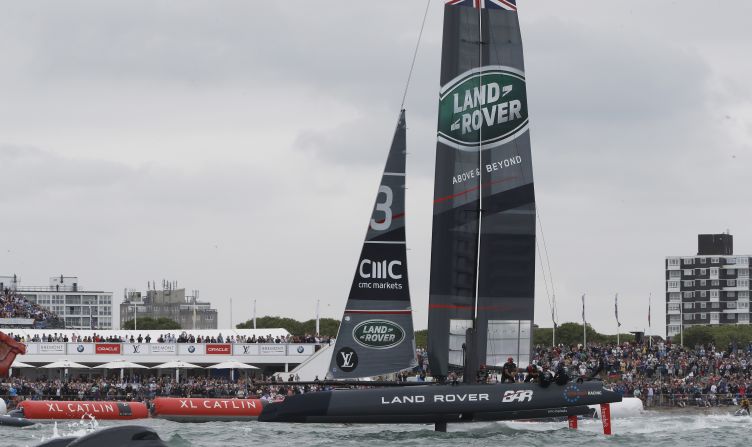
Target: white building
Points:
(78, 307)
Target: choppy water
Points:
(650, 428)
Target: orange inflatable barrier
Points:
(206, 410)
(54, 409)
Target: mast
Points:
(483, 250)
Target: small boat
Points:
(10, 420)
(741, 412)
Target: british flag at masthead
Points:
(509, 5)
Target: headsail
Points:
(483, 250)
(376, 333)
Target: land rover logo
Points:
(378, 334)
(347, 359)
(487, 108)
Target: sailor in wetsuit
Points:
(745, 405)
(509, 371)
(532, 373)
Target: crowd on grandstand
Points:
(14, 305)
(183, 337)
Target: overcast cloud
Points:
(236, 146)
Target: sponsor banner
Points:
(219, 349)
(245, 350)
(163, 348)
(107, 348)
(81, 348)
(135, 349)
(191, 349)
(17, 322)
(42, 409)
(51, 348)
(205, 409)
(307, 349)
(277, 349)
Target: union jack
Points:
(509, 5)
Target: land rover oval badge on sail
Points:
(378, 334)
(485, 108)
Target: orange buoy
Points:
(206, 410)
(53, 409)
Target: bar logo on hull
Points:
(483, 108)
(378, 334)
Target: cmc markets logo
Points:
(483, 107)
(347, 359)
(369, 269)
(378, 334)
(80, 348)
(191, 349)
(300, 349)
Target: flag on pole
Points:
(583, 309)
(650, 298)
(616, 310)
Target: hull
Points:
(41, 409)
(206, 410)
(440, 403)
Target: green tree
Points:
(148, 323)
(571, 334)
(328, 327)
(421, 338)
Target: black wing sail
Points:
(376, 333)
(483, 184)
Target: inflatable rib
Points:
(206, 410)
(48, 409)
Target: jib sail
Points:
(376, 333)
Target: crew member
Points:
(509, 371)
(745, 405)
(532, 373)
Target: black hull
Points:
(440, 404)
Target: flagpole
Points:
(650, 299)
(584, 325)
(616, 311)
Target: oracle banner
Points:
(108, 348)
(220, 349)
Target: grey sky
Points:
(236, 146)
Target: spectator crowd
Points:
(14, 305)
(183, 337)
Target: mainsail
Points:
(376, 333)
(483, 249)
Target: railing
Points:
(143, 351)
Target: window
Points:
(703, 271)
(730, 260)
(744, 283)
(731, 316)
(715, 260)
(703, 316)
(673, 261)
(743, 318)
(703, 305)
(673, 284)
(731, 305)
(715, 283)
(674, 307)
(674, 274)
(730, 294)
(689, 283)
(689, 272)
(703, 260)
(688, 317)
(731, 272)
(689, 294)
(703, 283)
(742, 261)
(742, 304)
(686, 306)
(713, 294)
(715, 305)
(731, 283)
(744, 295)
(703, 293)
(743, 273)
(674, 296)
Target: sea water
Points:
(660, 428)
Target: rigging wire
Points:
(415, 54)
(554, 309)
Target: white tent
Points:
(18, 364)
(64, 364)
(122, 365)
(177, 364)
(232, 366)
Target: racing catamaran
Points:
(482, 255)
